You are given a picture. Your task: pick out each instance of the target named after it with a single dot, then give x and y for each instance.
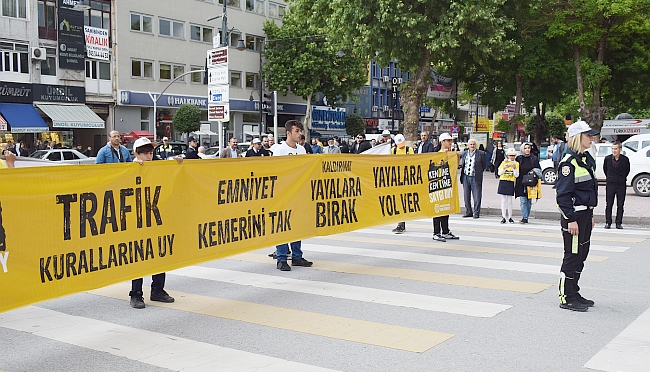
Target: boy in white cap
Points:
(441, 224)
(143, 151)
(400, 149)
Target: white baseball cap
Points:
(581, 127)
(141, 142)
(165, 139)
(511, 151)
(385, 133)
(399, 139)
(257, 140)
(444, 136)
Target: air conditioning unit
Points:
(39, 54)
(385, 79)
(375, 108)
(386, 108)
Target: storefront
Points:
(53, 113)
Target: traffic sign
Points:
(220, 112)
(218, 94)
(218, 75)
(455, 129)
(218, 56)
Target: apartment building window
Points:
(144, 118)
(141, 69)
(141, 23)
(169, 71)
(171, 28)
(235, 79)
(256, 6)
(254, 42)
(251, 80)
(14, 8)
(201, 33)
(276, 10)
(196, 77)
(98, 70)
(232, 3)
(15, 57)
(47, 19)
(234, 38)
(48, 67)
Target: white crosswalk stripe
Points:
(152, 348)
(378, 296)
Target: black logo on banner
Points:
(440, 183)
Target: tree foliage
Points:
(304, 61)
(556, 124)
(187, 118)
(417, 33)
(354, 125)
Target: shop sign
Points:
(371, 123)
(327, 118)
(388, 124)
(68, 4)
(71, 39)
(59, 93)
(97, 43)
(16, 93)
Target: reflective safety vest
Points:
(576, 186)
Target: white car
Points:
(63, 156)
(599, 151)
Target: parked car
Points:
(599, 151)
(212, 152)
(637, 142)
(69, 156)
(178, 148)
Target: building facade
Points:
(49, 89)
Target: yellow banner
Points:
(74, 228)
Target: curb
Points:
(555, 216)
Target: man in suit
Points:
(192, 151)
(424, 145)
(331, 147)
(616, 167)
(231, 151)
(361, 144)
(472, 163)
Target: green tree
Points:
(591, 25)
(556, 124)
(300, 62)
(418, 33)
(354, 125)
(187, 118)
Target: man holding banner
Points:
(291, 147)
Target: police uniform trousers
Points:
(157, 284)
(574, 255)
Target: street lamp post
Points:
(155, 97)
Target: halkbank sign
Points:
(325, 118)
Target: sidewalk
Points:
(637, 208)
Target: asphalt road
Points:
(373, 301)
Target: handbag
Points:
(529, 180)
(535, 192)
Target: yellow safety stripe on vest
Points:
(580, 174)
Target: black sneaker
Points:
(619, 226)
(450, 236)
(468, 215)
(511, 220)
(574, 305)
(503, 220)
(301, 262)
(161, 296)
(608, 225)
(273, 256)
(398, 230)
(283, 266)
(137, 302)
(584, 301)
(523, 221)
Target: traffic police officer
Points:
(577, 195)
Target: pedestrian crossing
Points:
(373, 301)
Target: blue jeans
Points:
(525, 204)
(282, 249)
(474, 190)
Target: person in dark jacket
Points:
(424, 145)
(528, 164)
(616, 167)
(498, 156)
(257, 149)
(472, 165)
(192, 152)
(360, 145)
(576, 197)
